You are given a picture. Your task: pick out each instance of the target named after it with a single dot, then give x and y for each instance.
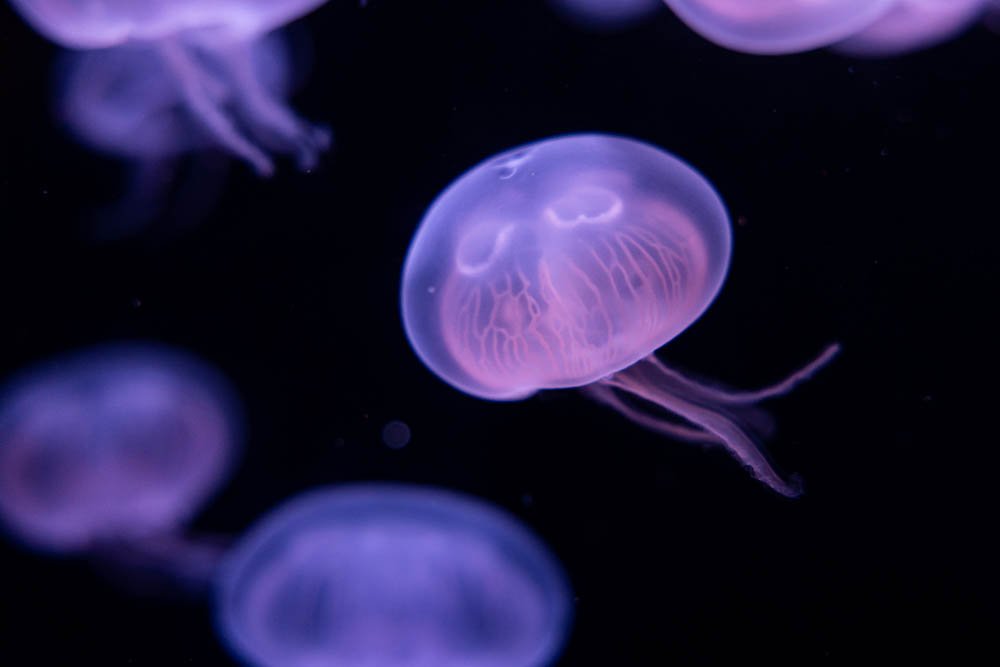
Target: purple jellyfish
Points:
(607, 14)
(777, 26)
(196, 52)
(392, 576)
(123, 101)
(114, 445)
(912, 25)
(567, 263)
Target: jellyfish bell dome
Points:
(393, 576)
(560, 262)
(112, 444)
(913, 24)
(777, 26)
(88, 24)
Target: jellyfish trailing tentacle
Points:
(185, 564)
(605, 394)
(780, 388)
(267, 116)
(704, 407)
(205, 108)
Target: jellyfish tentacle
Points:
(189, 78)
(266, 112)
(180, 561)
(738, 397)
(646, 380)
(602, 393)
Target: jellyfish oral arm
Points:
(187, 562)
(779, 388)
(704, 408)
(605, 393)
(191, 80)
(267, 115)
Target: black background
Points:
(866, 199)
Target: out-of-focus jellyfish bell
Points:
(606, 14)
(777, 26)
(196, 52)
(913, 24)
(115, 444)
(393, 576)
(567, 263)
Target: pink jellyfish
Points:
(200, 51)
(912, 25)
(120, 444)
(567, 263)
(777, 26)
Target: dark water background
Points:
(867, 195)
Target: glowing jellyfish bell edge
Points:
(387, 506)
(421, 282)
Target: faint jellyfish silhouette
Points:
(777, 26)
(567, 263)
(393, 576)
(913, 24)
(116, 445)
(199, 51)
(123, 101)
(607, 14)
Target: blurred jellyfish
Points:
(607, 14)
(119, 444)
(912, 25)
(393, 576)
(567, 263)
(195, 53)
(123, 101)
(777, 26)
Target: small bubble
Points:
(396, 435)
(432, 289)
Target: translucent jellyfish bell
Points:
(777, 26)
(198, 52)
(111, 445)
(392, 576)
(567, 263)
(914, 24)
(94, 24)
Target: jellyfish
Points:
(199, 53)
(567, 263)
(777, 26)
(123, 101)
(606, 14)
(913, 24)
(115, 445)
(393, 576)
